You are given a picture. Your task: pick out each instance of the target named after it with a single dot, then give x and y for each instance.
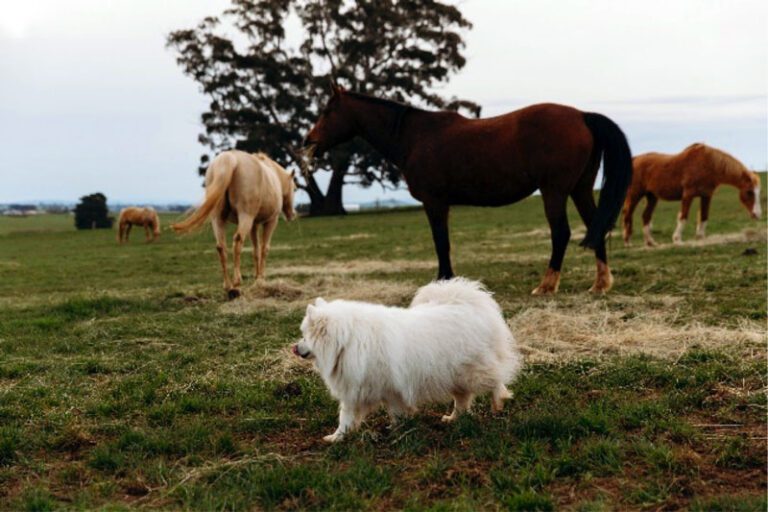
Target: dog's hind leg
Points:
(349, 419)
(500, 394)
(462, 402)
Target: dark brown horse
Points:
(447, 159)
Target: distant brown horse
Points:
(250, 191)
(447, 159)
(135, 216)
(694, 172)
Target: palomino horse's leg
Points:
(266, 237)
(682, 217)
(438, 221)
(128, 230)
(585, 204)
(220, 232)
(244, 225)
(650, 205)
(629, 210)
(701, 226)
(560, 232)
(147, 233)
(256, 249)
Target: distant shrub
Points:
(92, 213)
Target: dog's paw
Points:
(333, 438)
(448, 418)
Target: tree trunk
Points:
(331, 203)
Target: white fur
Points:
(677, 236)
(647, 237)
(756, 208)
(452, 341)
(701, 229)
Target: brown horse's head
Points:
(335, 125)
(289, 190)
(749, 194)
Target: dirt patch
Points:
(558, 331)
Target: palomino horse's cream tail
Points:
(222, 168)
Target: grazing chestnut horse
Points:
(250, 191)
(135, 216)
(447, 159)
(695, 172)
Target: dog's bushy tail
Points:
(457, 291)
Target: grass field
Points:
(126, 379)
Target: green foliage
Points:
(265, 96)
(92, 212)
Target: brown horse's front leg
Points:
(560, 234)
(438, 221)
(701, 226)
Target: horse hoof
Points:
(543, 290)
(233, 294)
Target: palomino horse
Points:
(250, 191)
(447, 159)
(695, 172)
(135, 216)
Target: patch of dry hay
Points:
(287, 294)
(748, 235)
(555, 332)
(352, 236)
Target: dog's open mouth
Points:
(304, 355)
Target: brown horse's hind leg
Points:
(585, 204)
(650, 205)
(438, 221)
(629, 209)
(554, 206)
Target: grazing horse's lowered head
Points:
(136, 216)
(749, 194)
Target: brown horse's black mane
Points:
(380, 101)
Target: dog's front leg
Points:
(346, 424)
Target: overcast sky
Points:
(91, 100)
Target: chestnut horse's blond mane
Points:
(724, 164)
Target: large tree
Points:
(267, 87)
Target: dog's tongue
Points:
(295, 349)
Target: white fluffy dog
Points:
(451, 342)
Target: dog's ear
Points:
(320, 301)
(317, 322)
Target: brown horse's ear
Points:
(293, 174)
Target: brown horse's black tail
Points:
(617, 175)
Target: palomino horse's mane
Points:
(727, 164)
